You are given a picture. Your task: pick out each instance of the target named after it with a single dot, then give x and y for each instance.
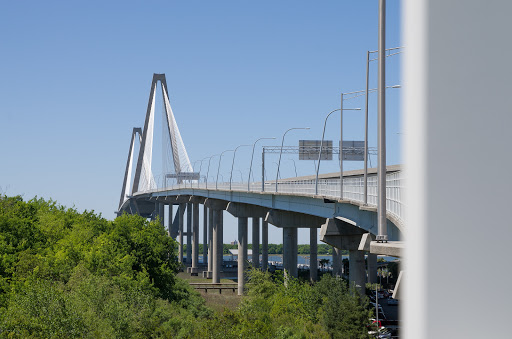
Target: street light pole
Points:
(367, 92)
(252, 156)
(341, 148)
(281, 152)
(341, 145)
(263, 169)
(381, 146)
(365, 199)
(294, 166)
(233, 164)
(200, 167)
(208, 171)
(218, 168)
(321, 147)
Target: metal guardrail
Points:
(353, 189)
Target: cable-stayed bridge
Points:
(344, 210)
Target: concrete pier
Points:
(357, 270)
(210, 244)
(336, 262)
(181, 207)
(169, 217)
(290, 251)
(313, 249)
(217, 245)
(195, 238)
(242, 253)
(161, 213)
(371, 268)
(256, 242)
(205, 234)
(264, 246)
(189, 233)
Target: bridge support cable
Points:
(144, 179)
(180, 155)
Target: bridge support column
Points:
(155, 212)
(181, 208)
(357, 272)
(264, 245)
(290, 251)
(290, 221)
(217, 245)
(336, 262)
(161, 212)
(313, 249)
(169, 217)
(210, 245)
(242, 253)
(205, 234)
(371, 263)
(189, 233)
(195, 238)
(256, 242)
(175, 230)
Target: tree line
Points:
(65, 274)
(323, 249)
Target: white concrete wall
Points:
(458, 140)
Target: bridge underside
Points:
(307, 211)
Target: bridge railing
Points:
(353, 189)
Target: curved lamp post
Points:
(208, 171)
(341, 146)
(321, 147)
(218, 168)
(233, 164)
(200, 167)
(252, 156)
(294, 166)
(281, 152)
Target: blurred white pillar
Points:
(458, 115)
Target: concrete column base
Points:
(194, 271)
(207, 274)
(357, 272)
(290, 251)
(371, 263)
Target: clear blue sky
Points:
(75, 79)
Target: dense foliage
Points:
(70, 274)
(326, 309)
(65, 274)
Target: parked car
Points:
(382, 333)
(392, 302)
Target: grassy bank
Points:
(216, 301)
